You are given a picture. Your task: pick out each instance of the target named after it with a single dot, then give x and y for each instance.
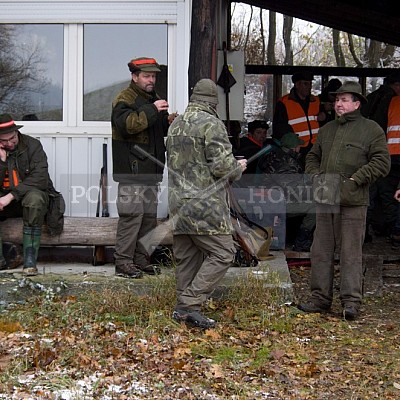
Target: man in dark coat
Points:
(24, 185)
(350, 153)
(252, 143)
(139, 121)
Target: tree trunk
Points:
(337, 48)
(262, 36)
(203, 33)
(287, 39)
(271, 60)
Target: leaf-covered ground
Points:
(115, 345)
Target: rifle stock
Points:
(104, 184)
(99, 252)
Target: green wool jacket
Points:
(135, 121)
(30, 162)
(201, 165)
(349, 147)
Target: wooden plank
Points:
(85, 231)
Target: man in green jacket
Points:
(201, 165)
(350, 153)
(24, 185)
(140, 122)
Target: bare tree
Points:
(287, 39)
(248, 30)
(21, 71)
(356, 59)
(337, 48)
(271, 59)
(262, 36)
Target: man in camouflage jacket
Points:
(139, 121)
(201, 165)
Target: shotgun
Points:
(99, 253)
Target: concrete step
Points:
(73, 277)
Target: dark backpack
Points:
(55, 212)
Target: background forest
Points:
(270, 38)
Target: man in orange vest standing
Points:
(298, 112)
(388, 184)
(377, 109)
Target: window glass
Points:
(107, 50)
(31, 64)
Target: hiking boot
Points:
(30, 271)
(311, 307)
(350, 313)
(129, 270)
(193, 318)
(150, 269)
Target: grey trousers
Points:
(137, 210)
(342, 229)
(202, 262)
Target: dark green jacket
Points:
(136, 121)
(349, 147)
(201, 164)
(30, 162)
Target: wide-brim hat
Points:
(7, 124)
(353, 88)
(145, 64)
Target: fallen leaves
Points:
(266, 352)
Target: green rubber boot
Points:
(2, 259)
(31, 244)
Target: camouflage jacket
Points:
(136, 122)
(201, 164)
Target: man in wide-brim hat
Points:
(24, 180)
(350, 153)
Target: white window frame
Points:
(74, 14)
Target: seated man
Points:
(252, 143)
(280, 168)
(24, 183)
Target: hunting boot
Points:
(2, 259)
(31, 244)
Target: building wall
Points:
(74, 146)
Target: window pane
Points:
(31, 65)
(107, 50)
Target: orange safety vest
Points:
(6, 181)
(299, 121)
(393, 126)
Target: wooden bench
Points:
(81, 231)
